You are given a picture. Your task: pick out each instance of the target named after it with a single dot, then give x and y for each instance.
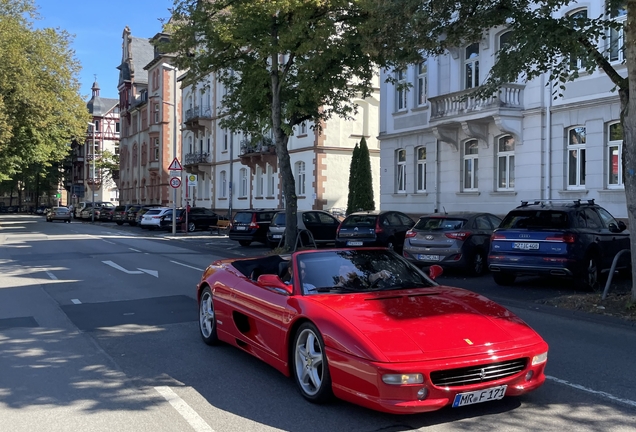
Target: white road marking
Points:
(589, 390)
(185, 265)
(154, 273)
(190, 415)
(51, 275)
(108, 241)
(134, 250)
(76, 301)
(120, 268)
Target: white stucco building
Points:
(234, 173)
(439, 152)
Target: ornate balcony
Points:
(198, 118)
(258, 153)
(197, 158)
(450, 105)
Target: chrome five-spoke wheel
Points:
(310, 364)
(207, 318)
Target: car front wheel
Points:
(478, 264)
(207, 318)
(311, 371)
(191, 227)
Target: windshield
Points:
(358, 271)
(438, 223)
(279, 219)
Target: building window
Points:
(421, 83)
(506, 163)
(616, 49)
(471, 66)
(300, 178)
(615, 156)
(155, 149)
(401, 171)
(156, 113)
(576, 158)
(97, 129)
(420, 180)
(470, 159)
(117, 127)
(504, 39)
(223, 185)
(243, 177)
(190, 150)
(259, 182)
(577, 17)
(303, 128)
(208, 146)
(270, 181)
(226, 139)
(400, 93)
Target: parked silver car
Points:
(459, 240)
(58, 213)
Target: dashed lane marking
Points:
(185, 265)
(185, 410)
(596, 392)
(76, 301)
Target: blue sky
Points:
(98, 27)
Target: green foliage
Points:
(364, 180)
(353, 168)
(107, 162)
(40, 105)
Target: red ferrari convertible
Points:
(368, 327)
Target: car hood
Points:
(430, 323)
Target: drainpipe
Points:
(437, 165)
(229, 216)
(547, 156)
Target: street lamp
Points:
(93, 175)
(174, 140)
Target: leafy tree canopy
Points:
(40, 105)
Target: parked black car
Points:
(199, 218)
(321, 224)
(251, 225)
(120, 212)
(374, 228)
(455, 240)
(571, 239)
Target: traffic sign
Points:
(175, 182)
(192, 180)
(175, 165)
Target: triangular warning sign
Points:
(175, 165)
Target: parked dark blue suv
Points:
(573, 239)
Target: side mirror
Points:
(622, 226)
(616, 228)
(273, 281)
(435, 271)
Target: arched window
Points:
(259, 182)
(135, 157)
(300, 178)
(615, 155)
(576, 158)
(223, 184)
(400, 92)
(400, 169)
(577, 17)
(616, 48)
(471, 66)
(270, 181)
(504, 38)
(470, 158)
(144, 154)
(420, 179)
(422, 82)
(506, 163)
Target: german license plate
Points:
(469, 398)
(277, 236)
(241, 228)
(354, 243)
(428, 257)
(168, 218)
(526, 246)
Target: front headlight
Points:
(541, 358)
(401, 379)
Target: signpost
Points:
(175, 182)
(175, 165)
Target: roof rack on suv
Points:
(544, 202)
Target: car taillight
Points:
(156, 217)
(497, 237)
(565, 238)
(378, 228)
(253, 225)
(461, 235)
(410, 234)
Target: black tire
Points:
(309, 366)
(504, 279)
(590, 274)
(207, 318)
(68, 221)
(119, 222)
(477, 264)
(191, 227)
(245, 242)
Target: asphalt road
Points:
(98, 332)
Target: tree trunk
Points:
(628, 120)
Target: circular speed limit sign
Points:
(175, 182)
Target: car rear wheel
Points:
(504, 279)
(207, 318)
(245, 242)
(478, 263)
(119, 223)
(311, 371)
(191, 227)
(589, 278)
